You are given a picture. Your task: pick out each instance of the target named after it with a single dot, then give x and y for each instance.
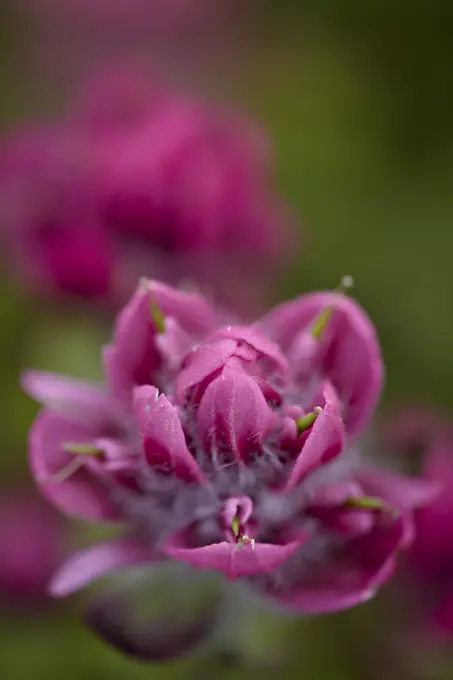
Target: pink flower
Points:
(139, 180)
(230, 448)
(31, 535)
(428, 435)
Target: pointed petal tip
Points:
(94, 562)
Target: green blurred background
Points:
(357, 98)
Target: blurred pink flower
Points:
(426, 433)
(31, 546)
(139, 180)
(228, 447)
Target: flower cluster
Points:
(140, 180)
(230, 447)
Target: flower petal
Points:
(237, 506)
(117, 456)
(399, 492)
(350, 356)
(90, 564)
(324, 441)
(233, 415)
(328, 506)
(265, 348)
(191, 310)
(76, 399)
(319, 600)
(172, 344)
(234, 559)
(82, 494)
(135, 355)
(336, 494)
(204, 362)
(163, 437)
(349, 575)
(134, 358)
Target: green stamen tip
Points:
(157, 316)
(82, 449)
(324, 316)
(236, 525)
(307, 421)
(370, 503)
(321, 322)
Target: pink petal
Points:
(192, 311)
(351, 523)
(138, 345)
(349, 575)
(202, 363)
(88, 565)
(270, 393)
(118, 376)
(328, 506)
(336, 494)
(325, 600)
(173, 344)
(235, 560)
(135, 358)
(262, 345)
(82, 494)
(233, 413)
(350, 354)
(162, 434)
(400, 492)
(118, 456)
(324, 441)
(304, 356)
(348, 523)
(76, 399)
(239, 504)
